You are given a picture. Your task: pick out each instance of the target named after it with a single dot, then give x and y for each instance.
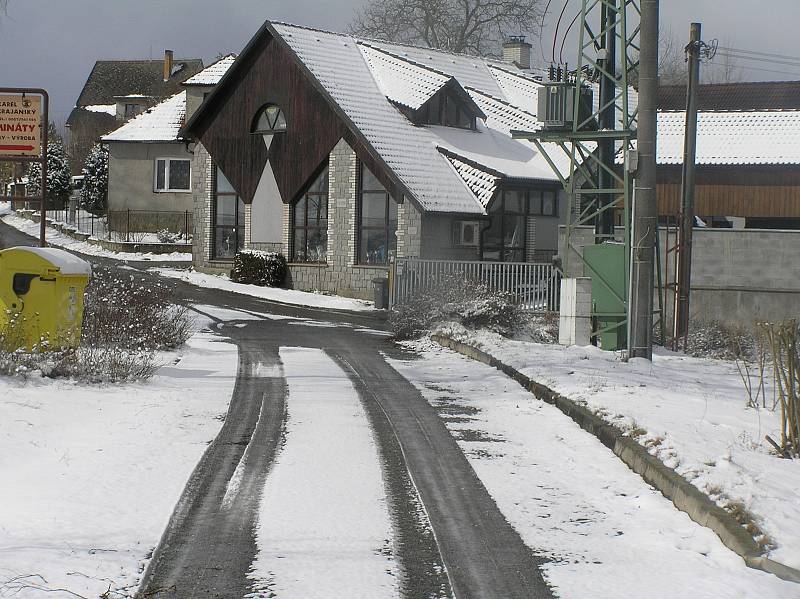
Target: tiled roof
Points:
(521, 90)
(110, 78)
(362, 81)
(161, 123)
(753, 137)
(400, 80)
(213, 72)
(750, 95)
(502, 115)
(481, 183)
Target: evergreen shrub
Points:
(255, 267)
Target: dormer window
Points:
(269, 120)
(448, 110)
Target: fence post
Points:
(186, 225)
(128, 227)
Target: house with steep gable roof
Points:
(118, 90)
(341, 153)
(149, 160)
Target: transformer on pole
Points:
(599, 143)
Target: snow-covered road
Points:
(324, 528)
(606, 533)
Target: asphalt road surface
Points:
(209, 544)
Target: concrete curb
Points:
(673, 486)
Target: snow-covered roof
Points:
(751, 137)
(364, 78)
(107, 108)
(401, 80)
(213, 72)
(161, 123)
(480, 182)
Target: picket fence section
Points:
(534, 285)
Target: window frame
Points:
(238, 230)
(293, 227)
(528, 195)
(272, 130)
(390, 235)
(167, 180)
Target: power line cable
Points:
(541, 28)
(769, 54)
(564, 39)
(558, 24)
(790, 63)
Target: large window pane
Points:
(223, 185)
(549, 203)
(535, 202)
(310, 222)
(373, 209)
(225, 242)
(179, 174)
(513, 230)
(514, 201)
(369, 182)
(374, 248)
(226, 211)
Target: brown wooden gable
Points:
(269, 73)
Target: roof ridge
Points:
(405, 59)
(369, 40)
(520, 74)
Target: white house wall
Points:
(266, 213)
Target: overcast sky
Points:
(54, 43)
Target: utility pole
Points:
(686, 224)
(604, 224)
(645, 202)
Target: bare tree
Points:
(723, 68)
(672, 68)
(470, 26)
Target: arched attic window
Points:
(269, 119)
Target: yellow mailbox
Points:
(41, 297)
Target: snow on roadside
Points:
(59, 239)
(89, 475)
(286, 296)
(607, 533)
(324, 528)
(692, 414)
(5, 208)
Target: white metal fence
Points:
(534, 285)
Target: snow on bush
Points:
(58, 175)
(717, 340)
(127, 318)
(95, 183)
(167, 236)
(455, 299)
(255, 267)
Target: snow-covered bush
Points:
(58, 175)
(539, 328)
(95, 183)
(455, 299)
(254, 267)
(167, 236)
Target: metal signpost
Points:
(24, 125)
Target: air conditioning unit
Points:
(557, 106)
(467, 233)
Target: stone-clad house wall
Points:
(341, 274)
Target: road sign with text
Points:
(20, 125)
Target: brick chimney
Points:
(168, 64)
(518, 51)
